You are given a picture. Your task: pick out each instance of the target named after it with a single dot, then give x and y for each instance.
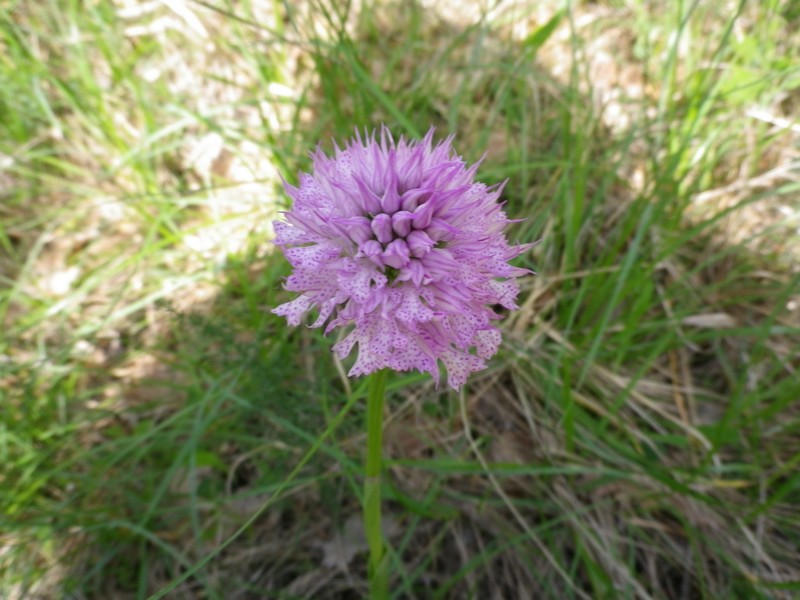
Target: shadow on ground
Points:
(593, 465)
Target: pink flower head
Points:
(397, 240)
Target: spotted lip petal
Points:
(395, 241)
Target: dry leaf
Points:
(345, 544)
(710, 321)
(351, 540)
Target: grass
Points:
(164, 435)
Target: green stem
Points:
(378, 564)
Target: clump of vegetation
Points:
(163, 434)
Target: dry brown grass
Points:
(139, 264)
